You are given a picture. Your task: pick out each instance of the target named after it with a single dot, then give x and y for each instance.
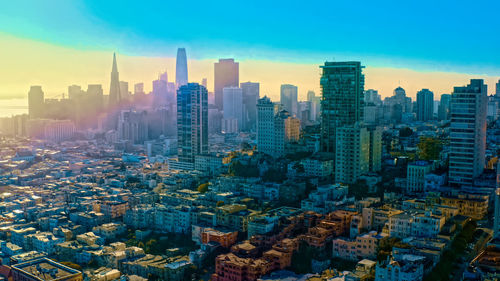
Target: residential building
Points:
(192, 122)
(352, 156)
(415, 176)
(44, 269)
(467, 133)
(342, 85)
(425, 105)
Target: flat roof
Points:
(45, 269)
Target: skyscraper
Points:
(36, 102)
(444, 107)
(114, 87)
(467, 132)
(226, 74)
(288, 98)
(132, 126)
(192, 121)
(250, 98)
(342, 85)
(181, 69)
(265, 126)
(233, 105)
(425, 105)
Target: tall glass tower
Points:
(181, 69)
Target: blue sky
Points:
(456, 36)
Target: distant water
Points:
(9, 107)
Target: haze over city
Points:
(249, 141)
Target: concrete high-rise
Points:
(36, 102)
(133, 126)
(265, 126)
(233, 105)
(288, 98)
(181, 69)
(497, 90)
(250, 98)
(352, 155)
(114, 87)
(425, 105)
(192, 121)
(342, 86)
(226, 74)
(444, 107)
(467, 132)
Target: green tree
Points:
(429, 148)
(202, 188)
(405, 132)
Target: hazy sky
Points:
(417, 44)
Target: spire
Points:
(115, 67)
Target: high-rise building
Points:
(425, 105)
(192, 121)
(496, 214)
(444, 107)
(133, 126)
(342, 86)
(315, 105)
(226, 74)
(375, 159)
(352, 155)
(265, 126)
(468, 132)
(36, 102)
(250, 98)
(233, 105)
(75, 92)
(288, 98)
(139, 88)
(204, 82)
(181, 69)
(159, 92)
(114, 87)
(292, 129)
(124, 90)
(497, 90)
(372, 96)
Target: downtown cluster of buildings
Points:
(184, 183)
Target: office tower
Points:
(250, 97)
(159, 93)
(181, 69)
(192, 121)
(292, 129)
(375, 150)
(425, 105)
(315, 105)
(492, 110)
(204, 82)
(233, 105)
(133, 126)
(372, 97)
(114, 87)
(288, 98)
(352, 156)
(214, 119)
(226, 74)
(139, 89)
(444, 107)
(164, 76)
(303, 111)
(265, 126)
(497, 90)
(94, 102)
(467, 132)
(279, 132)
(124, 90)
(36, 102)
(75, 92)
(342, 86)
